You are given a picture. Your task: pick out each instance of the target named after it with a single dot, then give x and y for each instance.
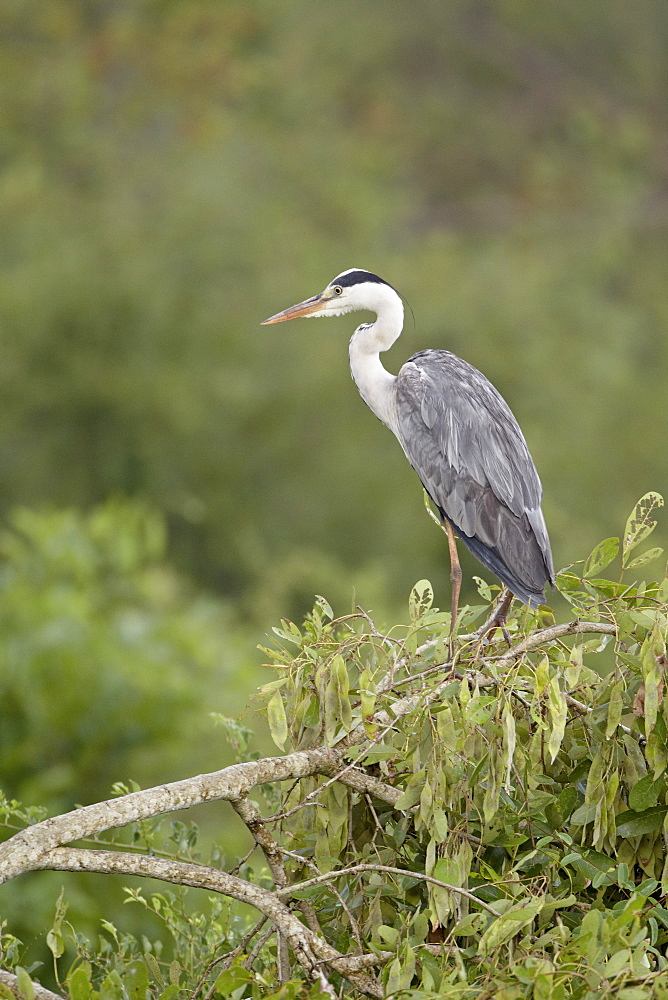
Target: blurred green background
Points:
(174, 171)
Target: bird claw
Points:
(498, 619)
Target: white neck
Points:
(375, 384)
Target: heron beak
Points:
(309, 307)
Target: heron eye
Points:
(338, 290)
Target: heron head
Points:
(351, 290)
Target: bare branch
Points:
(226, 959)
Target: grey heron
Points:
(457, 432)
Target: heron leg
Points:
(455, 576)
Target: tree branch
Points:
(551, 633)
(251, 816)
(23, 851)
(309, 948)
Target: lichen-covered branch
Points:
(550, 634)
(309, 948)
(250, 814)
(23, 851)
(11, 981)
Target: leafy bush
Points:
(485, 820)
(109, 661)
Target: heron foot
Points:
(498, 619)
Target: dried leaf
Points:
(509, 739)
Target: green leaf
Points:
(636, 824)
(367, 693)
(592, 864)
(324, 606)
(446, 870)
(402, 970)
(645, 793)
(136, 981)
(78, 984)
(601, 556)
(378, 752)
(55, 942)
(342, 689)
(170, 992)
(508, 925)
(584, 814)
(412, 793)
(640, 524)
(25, 984)
(420, 600)
(111, 987)
(337, 703)
(278, 724)
(645, 557)
(615, 708)
(231, 979)
(478, 770)
(568, 800)
(440, 825)
(558, 710)
(481, 708)
(154, 967)
(470, 924)
(389, 935)
(620, 960)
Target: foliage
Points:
(108, 663)
(90, 610)
(510, 840)
(173, 172)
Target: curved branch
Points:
(309, 948)
(250, 814)
(551, 633)
(22, 851)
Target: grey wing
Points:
(462, 439)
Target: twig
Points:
(257, 947)
(358, 869)
(344, 906)
(228, 956)
(347, 774)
